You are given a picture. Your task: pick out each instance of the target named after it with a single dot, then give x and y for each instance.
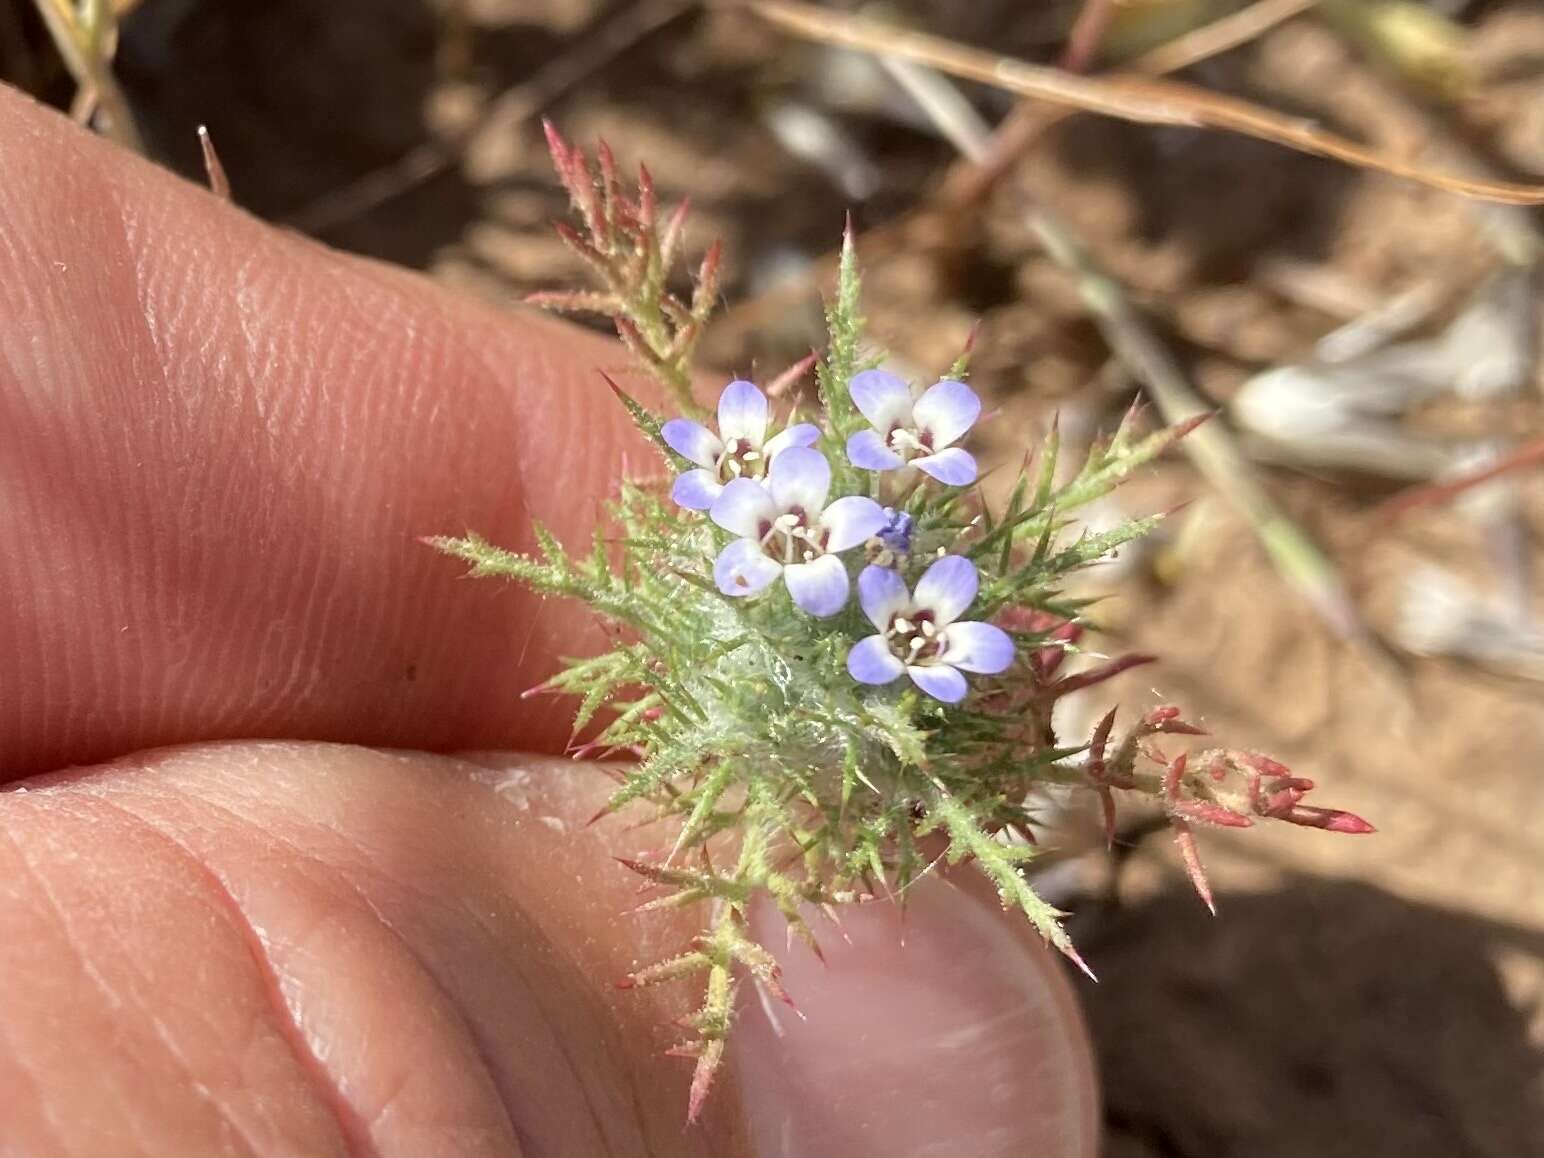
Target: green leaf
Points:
(643, 420)
(998, 864)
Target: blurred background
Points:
(1351, 586)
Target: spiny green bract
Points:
(785, 777)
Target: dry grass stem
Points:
(86, 39)
(1127, 98)
(219, 183)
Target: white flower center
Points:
(789, 538)
(916, 639)
(740, 459)
(908, 443)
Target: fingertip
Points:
(955, 1033)
(223, 443)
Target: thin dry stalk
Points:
(86, 39)
(1128, 98)
(1407, 107)
(1219, 36)
(968, 184)
(1529, 454)
(219, 183)
(1088, 33)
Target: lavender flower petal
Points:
(820, 587)
(882, 594)
(882, 398)
(801, 434)
(870, 661)
(696, 489)
(940, 681)
(742, 569)
(744, 508)
(866, 450)
(692, 441)
(851, 521)
(742, 413)
(800, 478)
(977, 647)
(946, 410)
(946, 588)
(953, 467)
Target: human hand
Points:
(219, 445)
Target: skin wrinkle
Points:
(214, 711)
(311, 614)
(21, 402)
(484, 1053)
(59, 721)
(548, 788)
(360, 500)
(31, 696)
(317, 579)
(138, 387)
(369, 906)
(20, 1068)
(521, 483)
(557, 1040)
(474, 770)
(254, 289)
(481, 1049)
(329, 873)
(63, 411)
(573, 450)
(344, 607)
(355, 1143)
(152, 1017)
(34, 1090)
(146, 607)
(86, 970)
(68, 802)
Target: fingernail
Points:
(951, 1031)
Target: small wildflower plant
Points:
(837, 663)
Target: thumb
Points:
(316, 949)
(948, 1029)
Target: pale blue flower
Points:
(740, 449)
(918, 432)
(922, 635)
(786, 529)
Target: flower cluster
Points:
(763, 708)
(772, 495)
